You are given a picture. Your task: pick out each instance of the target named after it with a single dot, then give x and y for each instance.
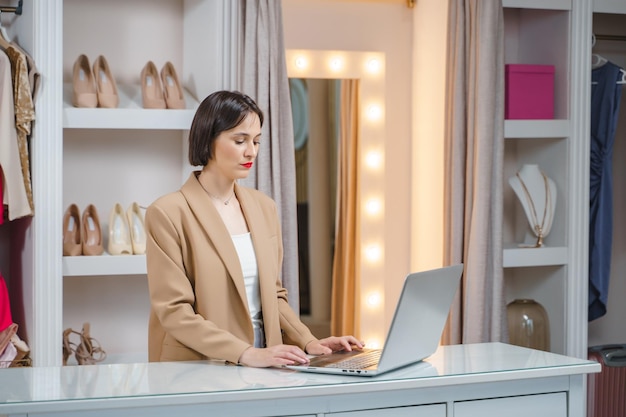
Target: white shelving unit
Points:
(104, 156)
(551, 33)
(134, 154)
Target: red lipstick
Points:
(247, 165)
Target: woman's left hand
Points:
(333, 344)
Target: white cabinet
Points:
(431, 410)
(540, 405)
(549, 33)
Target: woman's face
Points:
(237, 148)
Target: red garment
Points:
(5, 307)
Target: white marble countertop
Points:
(41, 388)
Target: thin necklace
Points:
(538, 227)
(225, 202)
(219, 199)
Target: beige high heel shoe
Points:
(92, 232)
(171, 87)
(106, 87)
(137, 229)
(83, 85)
(72, 243)
(119, 233)
(151, 90)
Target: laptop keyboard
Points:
(361, 361)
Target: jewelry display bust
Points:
(537, 195)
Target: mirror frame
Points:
(369, 69)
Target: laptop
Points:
(415, 331)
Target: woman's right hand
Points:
(278, 356)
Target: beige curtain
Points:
(344, 317)
(473, 166)
(265, 79)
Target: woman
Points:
(214, 255)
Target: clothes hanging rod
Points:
(611, 37)
(14, 9)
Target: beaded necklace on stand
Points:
(539, 228)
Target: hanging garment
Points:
(7, 355)
(34, 77)
(605, 101)
(24, 112)
(6, 319)
(14, 192)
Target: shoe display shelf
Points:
(104, 265)
(129, 114)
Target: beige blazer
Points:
(199, 308)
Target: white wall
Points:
(429, 75)
(381, 26)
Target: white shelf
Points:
(609, 6)
(538, 4)
(129, 115)
(104, 265)
(515, 256)
(528, 129)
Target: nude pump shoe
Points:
(72, 243)
(151, 90)
(83, 85)
(119, 233)
(91, 232)
(106, 88)
(137, 229)
(171, 87)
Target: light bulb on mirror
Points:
(373, 300)
(373, 206)
(373, 253)
(336, 64)
(373, 66)
(374, 159)
(373, 342)
(301, 62)
(374, 112)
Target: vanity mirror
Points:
(308, 68)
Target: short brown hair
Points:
(220, 111)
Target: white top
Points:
(247, 258)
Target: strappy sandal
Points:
(68, 346)
(89, 351)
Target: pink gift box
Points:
(529, 91)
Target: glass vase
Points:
(528, 324)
